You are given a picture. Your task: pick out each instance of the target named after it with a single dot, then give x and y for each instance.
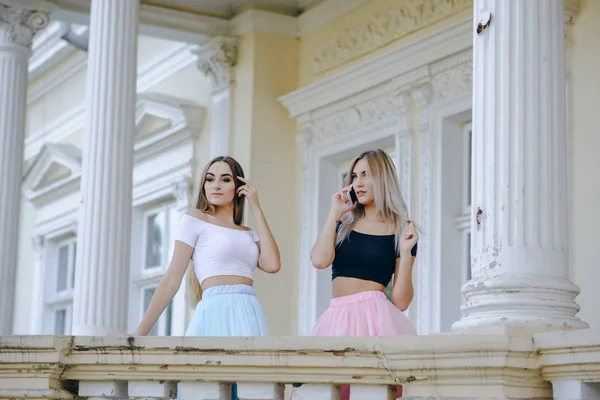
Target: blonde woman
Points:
(367, 238)
(367, 242)
(224, 255)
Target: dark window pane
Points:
(155, 246)
(60, 320)
(62, 268)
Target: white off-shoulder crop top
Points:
(219, 250)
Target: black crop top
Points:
(367, 257)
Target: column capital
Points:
(217, 59)
(19, 25)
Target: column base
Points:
(519, 304)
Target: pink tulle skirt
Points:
(363, 314)
(367, 313)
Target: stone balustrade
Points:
(456, 366)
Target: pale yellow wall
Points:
(264, 142)
(241, 140)
(586, 142)
(344, 30)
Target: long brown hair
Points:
(389, 202)
(194, 290)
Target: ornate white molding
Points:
(216, 59)
(307, 298)
(156, 70)
(18, 25)
(384, 28)
(422, 97)
(55, 172)
(170, 125)
(404, 152)
(453, 76)
(449, 81)
(174, 124)
(49, 49)
(359, 112)
(407, 65)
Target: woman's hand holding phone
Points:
(341, 202)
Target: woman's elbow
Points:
(319, 264)
(402, 302)
(171, 283)
(275, 268)
(271, 267)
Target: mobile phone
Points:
(352, 196)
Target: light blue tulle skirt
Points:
(228, 310)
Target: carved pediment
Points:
(57, 166)
(160, 117)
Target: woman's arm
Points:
(323, 251)
(403, 291)
(269, 259)
(167, 287)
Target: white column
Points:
(101, 285)
(520, 233)
(17, 28)
(216, 59)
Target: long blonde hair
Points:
(389, 202)
(194, 290)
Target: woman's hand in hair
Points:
(409, 238)
(251, 194)
(340, 204)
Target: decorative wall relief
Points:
(408, 17)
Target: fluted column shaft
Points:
(17, 28)
(519, 181)
(104, 237)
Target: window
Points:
(157, 225)
(156, 241)
(59, 287)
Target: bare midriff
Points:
(343, 286)
(223, 280)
